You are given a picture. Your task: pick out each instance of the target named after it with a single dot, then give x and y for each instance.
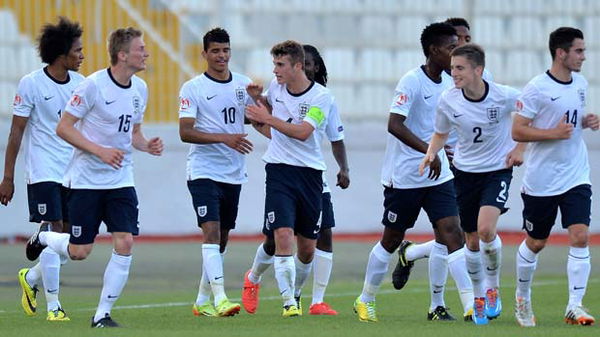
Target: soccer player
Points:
(410, 127)
(39, 102)
(315, 70)
(551, 117)
(211, 118)
(103, 122)
(480, 113)
(294, 168)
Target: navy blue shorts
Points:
(539, 213)
(47, 201)
(117, 208)
(402, 206)
(327, 218)
(293, 199)
(474, 190)
(215, 201)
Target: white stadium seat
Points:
(408, 30)
(377, 28)
(525, 32)
(489, 31)
(591, 33)
(341, 63)
(345, 96)
(374, 99)
(521, 66)
(407, 60)
(376, 64)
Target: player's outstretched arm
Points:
(397, 128)
(339, 153)
(260, 114)
(67, 131)
(153, 146)
(7, 186)
(236, 141)
(255, 91)
(591, 121)
(522, 131)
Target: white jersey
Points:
(555, 166)
(108, 112)
(416, 97)
(218, 107)
(335, 132)
(42, 98)
(453, 137)
(311, 106)
(483, 126)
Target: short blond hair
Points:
(120, 40)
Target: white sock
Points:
(115, 278)
(262, 262)
(578, 271)
(473, 260)
(458, 270)
(50, 262)
(492, 261)
(285, 274)
(419, 251)
(34, 275)
(323, 263)
(302, 272)
(212, 262)
(438, 273)
(58, 242)
(526, 264)
(204, 289)
(377, 267)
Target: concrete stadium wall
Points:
(165, 204)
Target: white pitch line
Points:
(273, 298)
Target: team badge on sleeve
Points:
(18, 100)
(75, 101)
(184, 103)
(402, 99)
(202, 210)
(519, 106)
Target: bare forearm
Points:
(72, 136)
(296, 131)
(407, 137)
(339, 153)
(197, 137)
(438, 140)
(526, 133)
(12, 150)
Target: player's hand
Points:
(239, 142)
(343, 179)
(591, 121)
(514, 158)
(254, 90)
(155, 146)
(449, 152)
(258, 113)
(564, 129)
(112, 157)
(7, 190)
(435, 166)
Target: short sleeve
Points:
(83, 99)
(318, 111)
(24, 101)
(404, 95)
(141, 109)
(187, 104)
(512, 96)
(442, 122)
(334, 128)
(527, 104)
(271, 91)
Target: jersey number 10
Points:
(228, 115)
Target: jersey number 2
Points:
(477, 132)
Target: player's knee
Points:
(535, 245)
(269, 246)
(57, 226)
(472, 241)
(306, 255)
(123, 245)
(487, 235)
(579, 238)
(325, 240)
(79, 252)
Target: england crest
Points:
(303, 110)
(202, 210)
(76, 231)
(240, 95)
(392, 216)
(271, 217)
(42, 209)
(492, 114)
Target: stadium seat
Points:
(525, 31)
(591, 33)
(376, 64)
(345, 97)
(374, 100)
(260, 65)
(9, 31)
(310, 27)
(593, 99)
(554, 22)
(521, 66)
(340, 29)
(408, 30)
(494, 63)
(377, 28)
(341, 63)
(489, 31)
(407, 60)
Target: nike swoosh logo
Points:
(111, 296)
(491, 269)
(208, 98)
(52, 291)
(289, 120)
(428, 97)
(218, 277)
(46, 98)
(437, 291)
(520, 280)
(281, 292)
(578, 288)
(471, 273)
(455, 116)
(554, 98)
(109, 102)
(278, 100)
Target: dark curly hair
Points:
(434, 34)
(218, 35)
(321, 76)
(57, 39)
